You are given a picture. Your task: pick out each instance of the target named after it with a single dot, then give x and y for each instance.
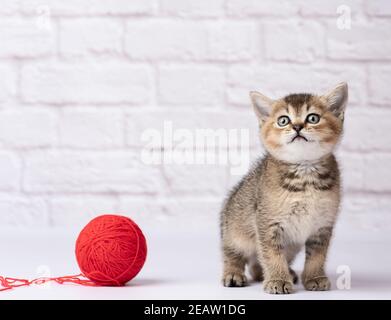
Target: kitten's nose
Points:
(297, 127)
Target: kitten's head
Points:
(301, 127)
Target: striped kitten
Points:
(290, 198)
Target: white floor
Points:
(185, 265)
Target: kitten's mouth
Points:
(300, 137)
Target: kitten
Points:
(290, 198)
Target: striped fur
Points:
(286, 201)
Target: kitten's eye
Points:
(283, 121)
(313, 118)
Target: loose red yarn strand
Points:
(110, 251)
(7, 283)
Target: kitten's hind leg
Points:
(295, 278)
(291, 253)
(234, 265)
(255, 269)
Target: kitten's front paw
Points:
(317, 284)
(232, 279)
(278, 286)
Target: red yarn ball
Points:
(111, 250)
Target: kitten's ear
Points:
(262, 105)
(337, 99)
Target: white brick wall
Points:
(28, 128)
(188, 39)
(82, 79)
(59, 82)
(97, 36)
(295, 47)
(192, 85)
(24, 39)
(91, 128)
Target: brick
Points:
(378, 84)
(28, 128)
(190, 40)
(8, 82)
(195, 137)
(182, 210)
(9, 7)
(26, 38)
(233, 41)
(368, 205)
(298, 41)
(165, 39)
(91, 128)
(261, 8)
(90, 7)
(381, 8)
(365, 130)
(364, 212)
(173, 210)
(352, 167)
(90, 172)
(190, 8)
(23, 211)
(202, 85)
(142, 209)
(377, 174)
(302, 78)
(350, 44)
(95, 36)
(210, 179)
(320, 8)
(203, 208)
(9, 171)
(220, 124)
(62, 83)
(79, 210)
